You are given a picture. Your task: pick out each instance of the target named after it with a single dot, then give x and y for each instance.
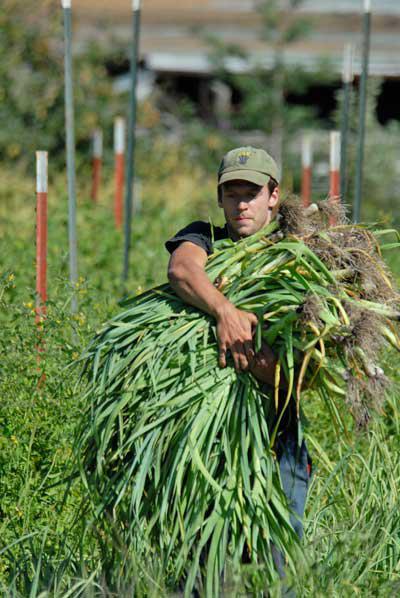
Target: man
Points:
(248, 193)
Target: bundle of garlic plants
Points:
(177, 453)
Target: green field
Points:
(352, 540)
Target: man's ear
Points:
(274, 198)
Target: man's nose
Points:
(242, 205)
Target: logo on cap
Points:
(243, 157)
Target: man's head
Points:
(248, 190)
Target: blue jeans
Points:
(295, 470)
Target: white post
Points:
(41, 172)
(119, 135)
(334, 151)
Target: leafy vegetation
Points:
(44, 546)
(47, 548)
(32, 84)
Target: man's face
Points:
(247, 207)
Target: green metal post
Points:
(347, 78)
(363, 104)
(70, 135)
(130, 155)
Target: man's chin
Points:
(244, 230)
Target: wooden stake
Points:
(41, 235)
(334, 169)
(41, 255)
(119, 150)
(96, 163)
(347, 80)
(306, 164)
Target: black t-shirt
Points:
(200, 233)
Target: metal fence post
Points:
(70, 134)
(130, 156)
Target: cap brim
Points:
(258, 178)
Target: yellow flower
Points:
(75, 355)
(11, 277)
(80, 318)
(14, 439)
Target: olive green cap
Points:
(248, 164)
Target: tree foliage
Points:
(32, 82)
(264, 88)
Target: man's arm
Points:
(187, 276)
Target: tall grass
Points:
(351, 538)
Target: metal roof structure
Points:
(172, 38)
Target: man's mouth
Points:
(242, 218)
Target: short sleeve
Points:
(198, 233)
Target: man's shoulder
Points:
(200, 233)
(205, 228)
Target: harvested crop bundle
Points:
(180, 453)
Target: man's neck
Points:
(232, 234)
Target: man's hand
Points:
(263, 366)
(235, 334)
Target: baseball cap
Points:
(248, 164)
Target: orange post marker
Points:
(119, 150)
(306, 170)
(96, 163)
(334, 170)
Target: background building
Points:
(173, 42)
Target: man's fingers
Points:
(253, 320)
(222, 357)
(249, 351)
(239, 357)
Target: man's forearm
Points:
(194, 287)
(234, 327)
